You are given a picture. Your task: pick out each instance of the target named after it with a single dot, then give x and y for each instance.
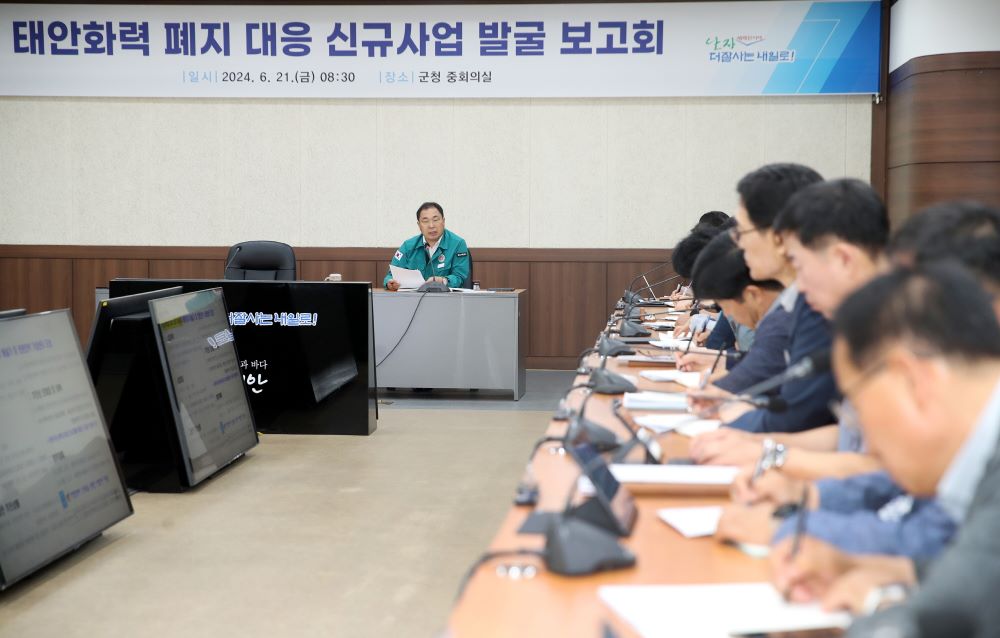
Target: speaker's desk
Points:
(451, 340)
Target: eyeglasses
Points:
(735, 233)
(866, 375)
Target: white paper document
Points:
(645, 358)
(682, 476)
(714, 611)
(407, 277)
(658, 324)
(686, 424)
(686, 379)
(692, 522)
(676, 401)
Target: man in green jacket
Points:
(439, 254)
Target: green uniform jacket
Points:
(451, 259)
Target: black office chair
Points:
(467, 283)
(267, 260)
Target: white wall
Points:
(932, 27)
(616, 173)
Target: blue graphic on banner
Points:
(442, 51)
(837, 51)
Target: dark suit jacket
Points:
(807, 399)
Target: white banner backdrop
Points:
(370, 51)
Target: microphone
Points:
(817, 362)
(649, 286)
(583, 539)
(642, 276)
(581, 429)
(231, 259)
(763, 401)
(604, 381)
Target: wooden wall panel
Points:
(499, 274)
(36, 284)
(349, 270)
(943, 131)
(913, 187)
(568, 305)
(587, 281)
(187, 268)
(93, 273)
(946, 116)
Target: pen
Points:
(758, 469)
(800, 523)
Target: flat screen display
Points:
(210, 406)
(59, 482)
(306, 350)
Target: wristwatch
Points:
(884, 596)
(773, 455)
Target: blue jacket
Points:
(807, 399)
(730, 337)
(767, 356)
(450, 259)
(851, 517)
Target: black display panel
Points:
(306, 350)
(59, 483)
(212, 415)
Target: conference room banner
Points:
(441, 51)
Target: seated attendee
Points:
(721, 274)
(917, 352)
(728, 334)
(834, 234)
(763, 193)
(714, 218)
(439, 254)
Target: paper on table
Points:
(686, 379)
(658, 324)
(693, 610)
(714, 475)
(686, 476)
(407, 277)
(700, 426)
(645, 358)
(681, 423)
(655, 401)
(692, 522)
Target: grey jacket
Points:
(959, 593)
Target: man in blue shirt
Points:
(721, 274)
(439, 254)
(763, 193)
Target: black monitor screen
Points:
(210, 404)
(305, 350)
(59, 482)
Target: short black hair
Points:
(845, 209)
(940, 308)
(713, 218)
(964, 230)
(720, 271)
(687, 250)
(765, 190)
(427, 205)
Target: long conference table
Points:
(548, 604)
